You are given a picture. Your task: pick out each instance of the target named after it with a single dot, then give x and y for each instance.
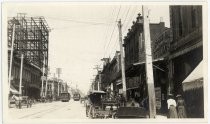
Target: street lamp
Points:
(43, 77)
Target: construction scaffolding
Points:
(31, 39)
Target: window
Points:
(193, 17)
(141, 38)
(180, 22)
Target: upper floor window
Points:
(180, 22)
(141, 41)
(193, 17)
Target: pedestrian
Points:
(181, 107)
(88, 106)
(145, 103)
(18, 100)
(132, 103)
(172, 112)
(122, 100)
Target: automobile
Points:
(65, 97)
(76, 96)
(23, 101)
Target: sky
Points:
(84, 33)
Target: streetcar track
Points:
(51, 111)
(43, 112)
(34, 113)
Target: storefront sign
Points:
(158, 97)
(133, 82)
(43, 78)
(120, 91)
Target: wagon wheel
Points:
(89, 112)
(30, 103)
(114, 115)
(16, 104)
(20, 105)
(92, 112)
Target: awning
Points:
(118, 82)
(195, 84)
(132, 88)
(13, 90)
(155, 60)
(195, 79)
(96, 91)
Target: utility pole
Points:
(99, 82)
(64, 87)
(61, 87)
(11, 56)
(99, 74)
(46, 88)
(21, 74)
(92, 84)
(76, 88)
(149, 68)
(122, 60)
(21, 65)
(94, 81)
(53, 85)
(58, 71)
(43, 70)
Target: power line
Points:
(130, 18)
(115, 44)
(113, 29)
(107, 32)
(79, 21)
(123, 23)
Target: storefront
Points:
(137, 86)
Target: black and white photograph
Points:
(89, 61)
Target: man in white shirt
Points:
(172, 107)
(171, 102)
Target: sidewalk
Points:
(161, 117)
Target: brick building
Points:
(135, 61)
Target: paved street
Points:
(54, 110)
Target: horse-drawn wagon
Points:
(100, 107)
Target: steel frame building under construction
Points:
(31, 39)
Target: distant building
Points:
(52, 88)
(111, 75)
